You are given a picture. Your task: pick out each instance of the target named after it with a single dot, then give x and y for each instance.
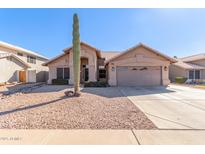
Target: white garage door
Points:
(138, 76)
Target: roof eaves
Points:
(145, 46)
(53, 59)
(10, 46)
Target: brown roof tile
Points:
(109, 54)
(193, 58)
(187, 65)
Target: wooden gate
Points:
(22, 76)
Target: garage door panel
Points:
(138, 76)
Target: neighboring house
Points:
(137, 66)
(192, 67)
(21, 65)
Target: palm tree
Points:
(76, 55)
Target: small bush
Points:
(60, 81)
(180, 79)
(96, 84)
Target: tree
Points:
(76, 55)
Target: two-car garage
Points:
(139, 76)
(139, 66)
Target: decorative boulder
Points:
(69, 93)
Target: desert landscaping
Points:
(47, 107)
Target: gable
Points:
(140, 53)
(88, 52)
(85, 46)
(61, 60)
(140, 56)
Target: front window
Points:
(31, 59)
(191, 74)
(194, 74)
(197, 74)
(63, 73)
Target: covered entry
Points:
(139, 76)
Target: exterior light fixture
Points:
(165, 68)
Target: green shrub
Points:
(60, 81)
(180, 79)
(96, 84)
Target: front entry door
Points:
(22, 76)
(84, 75)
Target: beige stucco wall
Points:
(59, 63)
(67, 61)
(175, 71)
(9, 68)
(138, 57)
(41, 71)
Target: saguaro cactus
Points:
(76, 54)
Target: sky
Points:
(174, 32)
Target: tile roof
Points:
(187, 65)
(193, 58)
(109, 54)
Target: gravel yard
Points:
(47, 108)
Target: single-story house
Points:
(137, 66)
(21, 65)
(191, 67)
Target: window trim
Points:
(31, 59)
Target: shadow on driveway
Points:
(111, 92)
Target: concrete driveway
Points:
(174, 107)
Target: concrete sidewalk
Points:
(102, 137)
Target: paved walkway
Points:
(102, 137)
(175, 107)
